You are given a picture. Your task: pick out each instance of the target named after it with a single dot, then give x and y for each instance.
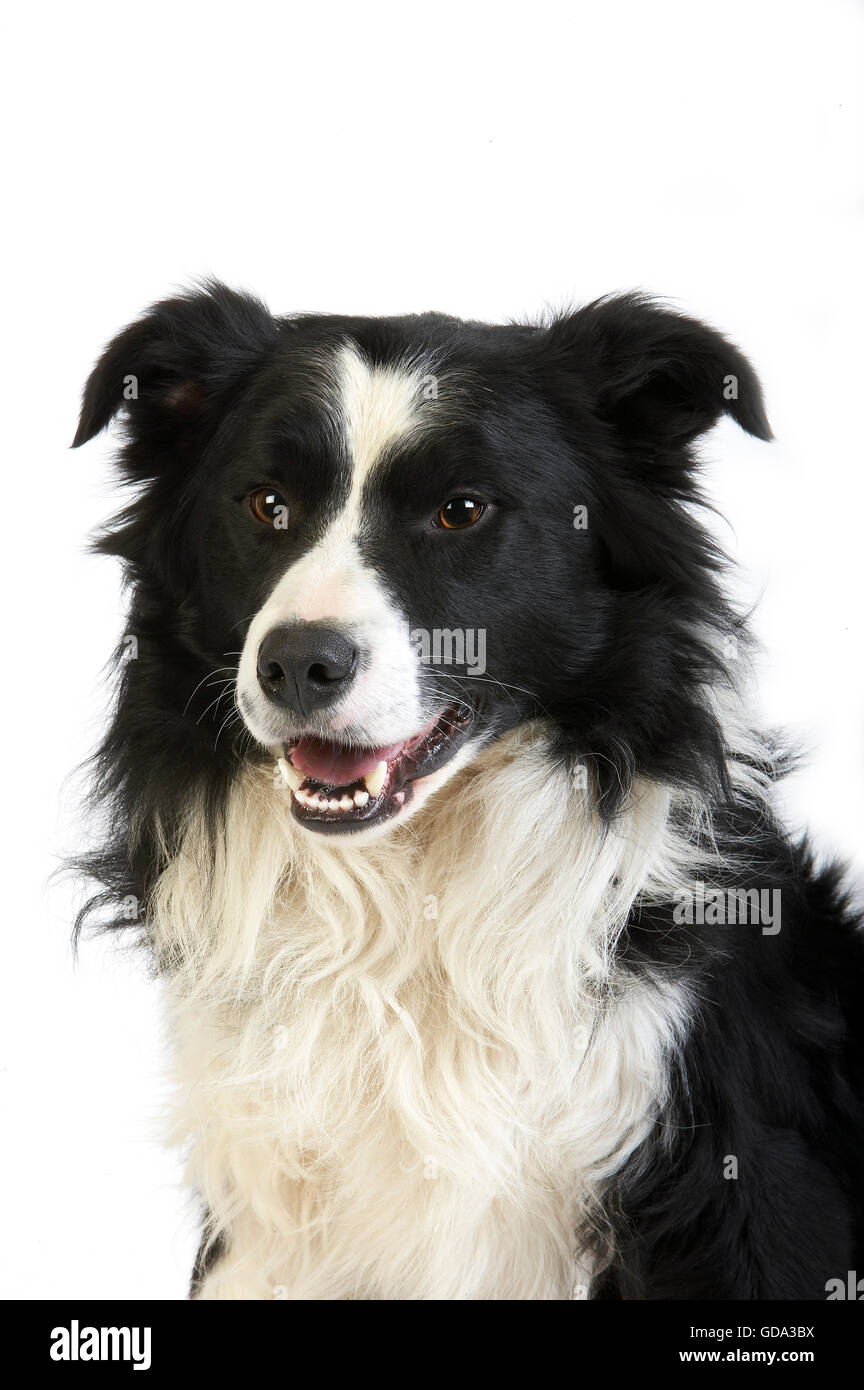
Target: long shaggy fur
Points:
(480, 1056)
(382, 1040)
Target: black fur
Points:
(613, 635)
(770, 1076)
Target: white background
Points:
(489, 160)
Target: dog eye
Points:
(458, 513)
(269, 506)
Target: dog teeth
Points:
(290, 776)
(375, 780)
(350, 798)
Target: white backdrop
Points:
(485, 159)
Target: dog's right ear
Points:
(169, 369)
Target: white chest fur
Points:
(404, 1070)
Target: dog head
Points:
(387, 541)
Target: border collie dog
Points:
(430, 787)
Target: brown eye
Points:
(459, 512)
(269, 506)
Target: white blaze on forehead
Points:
(377, 407)
(380, 407)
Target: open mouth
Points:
(335, 787)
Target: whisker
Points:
(204, 678)
(213, 703)
(229, 721)
(491, 680)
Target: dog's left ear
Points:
(658, 378)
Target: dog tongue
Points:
(335, 765)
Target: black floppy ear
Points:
(658, 377)
(167, 369)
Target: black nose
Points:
(303, 667)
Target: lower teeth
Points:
(321, 801)
(357, 795)
(371, 786)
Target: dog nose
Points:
(304, 668)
